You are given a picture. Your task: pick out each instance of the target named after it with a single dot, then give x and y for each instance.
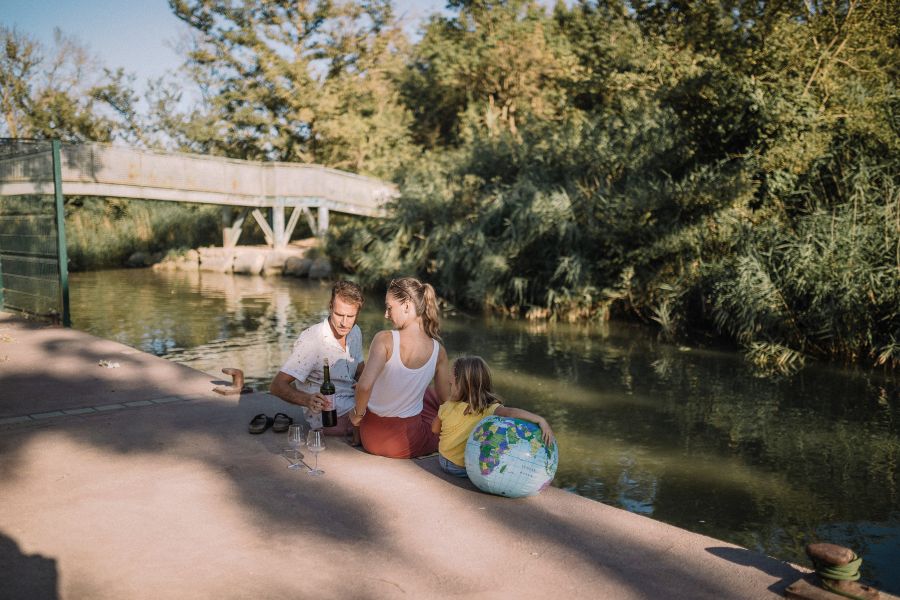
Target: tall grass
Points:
(103, 233)
(575, 226)
(828, 285)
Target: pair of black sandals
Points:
(261, 422)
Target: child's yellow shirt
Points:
(456, 427)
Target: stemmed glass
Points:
(295, 440)
(315, 443)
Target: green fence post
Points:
(62, 256)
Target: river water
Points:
(692, 437)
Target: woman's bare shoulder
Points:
(383, 341)
(382, 337)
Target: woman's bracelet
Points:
(359, 416)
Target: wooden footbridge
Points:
(94, 169)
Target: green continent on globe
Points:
(496, 437)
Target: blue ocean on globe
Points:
(507, 457)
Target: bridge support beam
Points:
(310, 219)
(264, 225)
(231, 231)
(278, 233)
(278, 237)
(292, 222)
(323, 221)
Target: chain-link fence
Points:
(33, 273)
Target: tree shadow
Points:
(786, 572)
(26, 576)
(212, 431)
(615, 555)
(430, 465)
(162, 428)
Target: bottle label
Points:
(329, 415)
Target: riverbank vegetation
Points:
(725, 168)
(105, 233)
(705, 166)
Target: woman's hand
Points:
(356, 418)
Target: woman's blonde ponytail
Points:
(423, 298)
(431, 317)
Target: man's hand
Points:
(317, 402)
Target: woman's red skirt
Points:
(401, 437)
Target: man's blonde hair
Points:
(347, 291)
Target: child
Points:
(471, 399)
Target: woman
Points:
(393, 408)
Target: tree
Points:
(299, 81)
(726, 165)
(63, 93)
(492, 67)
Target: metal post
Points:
(1, 283)
(61, 255)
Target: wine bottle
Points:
(329, 417)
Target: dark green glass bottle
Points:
(329, 417)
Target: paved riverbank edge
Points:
(167, 495)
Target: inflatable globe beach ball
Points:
(507, 457)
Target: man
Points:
(338, 339)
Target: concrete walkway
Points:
(139, 482)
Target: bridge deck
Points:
(109, 171)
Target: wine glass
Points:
(295, 440)
(315, 443)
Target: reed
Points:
(104, 233)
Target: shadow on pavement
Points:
(769, 566)
(212, 432)
(34, 577)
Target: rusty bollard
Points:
(237, 383)
(837, 570)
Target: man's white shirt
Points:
(313, 346)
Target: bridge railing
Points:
(104, 170)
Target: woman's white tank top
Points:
(398, 390)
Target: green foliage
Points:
(829, 286)
(709, 166)
(61, 92)
(721, 165)
(493, 68)
(293, 81)
(104, 233)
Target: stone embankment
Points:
(141, 482)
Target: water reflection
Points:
(204, 320)
(688, 436)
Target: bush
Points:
(103, 233)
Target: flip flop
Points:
(260, 423)
(282, 422)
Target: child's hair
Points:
(473, 384)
